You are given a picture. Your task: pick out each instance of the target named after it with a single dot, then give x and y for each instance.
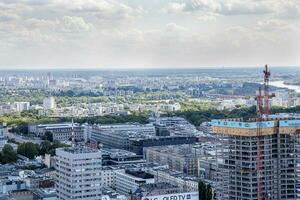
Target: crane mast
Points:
(262, 111)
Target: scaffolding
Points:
(280, 150)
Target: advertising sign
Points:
(177, 196)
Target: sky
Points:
(148, 33)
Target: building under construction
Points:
(239, 177)
(260, 156)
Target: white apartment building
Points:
(129, 180)
(21, 106)
(49, 103)
(78, 173)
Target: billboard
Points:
(176, 196)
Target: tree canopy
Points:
(8, 155)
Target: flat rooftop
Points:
(80, 150)
(54, 126)
(139, 174)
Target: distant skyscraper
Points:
(49, 103)
(78, 173)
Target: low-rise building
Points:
(129, 180)
(60, 132)
(118, 135)
(154, 189)
(44, 194)
(180, 158)
(184, 182)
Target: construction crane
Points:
(259, 154)
(262, 111)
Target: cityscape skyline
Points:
(149, 99)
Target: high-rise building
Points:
(49, 103)
(258, 166)
(78, 173)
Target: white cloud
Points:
(228, 7)
(115, 32)
(277, 25)
(174, 8)
(73, 24)
(288, 9)
(7, 16)
(173, 27)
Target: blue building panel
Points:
(283, 123)
(246, 125)
(253, 125)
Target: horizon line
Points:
(142, 68)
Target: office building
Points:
(184, 182)
(78, 173)
(118, 135)
(60, 132)
(129, 180)
(180, 158)
(154, 189)
(137, 145)
(112, 157)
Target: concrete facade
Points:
(78, 173)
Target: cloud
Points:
(276, 25)
(228, 7)
(173, 27)
(135, 33)
(174, 8)
(73, 24)
(7, 16)
(288, 9)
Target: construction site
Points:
(260, 156)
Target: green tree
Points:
(45, 147)
(21, 128)
(28, 149)
(8, 154)
(205, 191)
(48, 136)
(55, 145)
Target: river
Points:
(281, 84)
